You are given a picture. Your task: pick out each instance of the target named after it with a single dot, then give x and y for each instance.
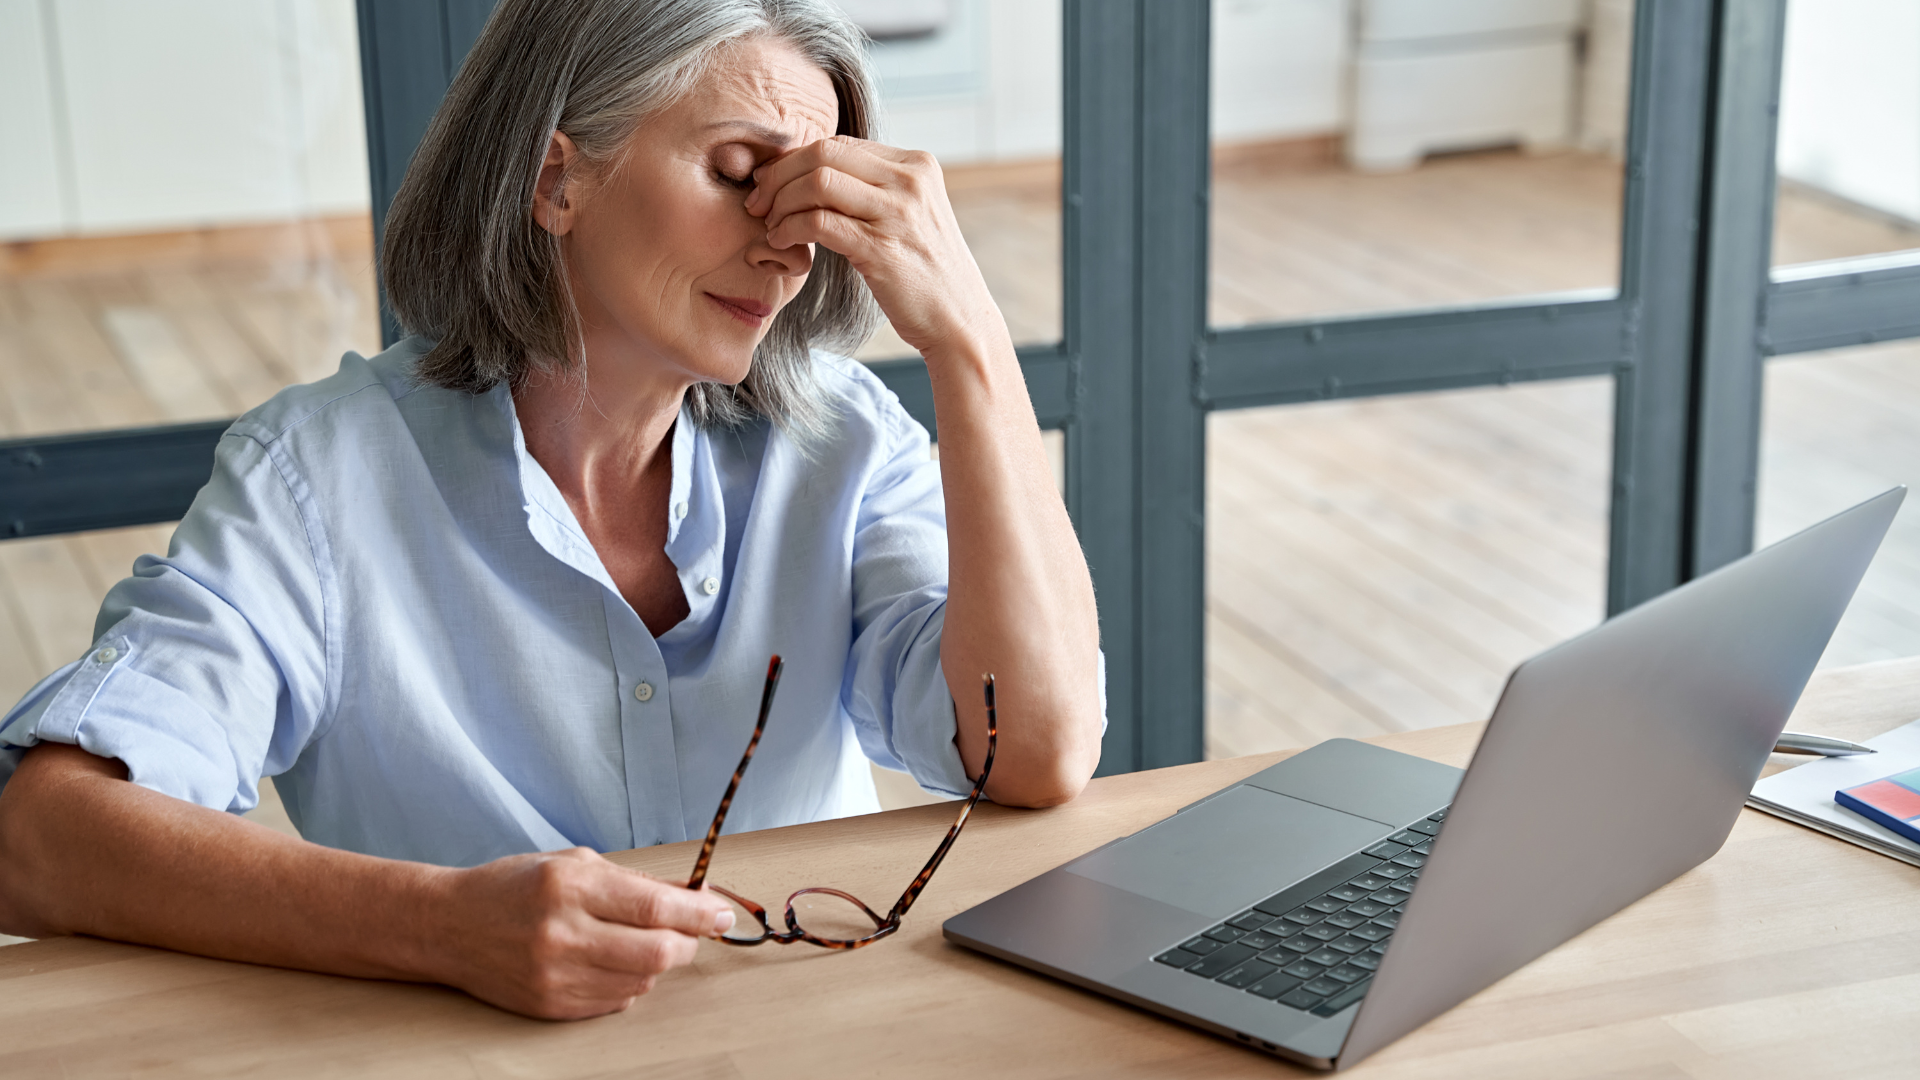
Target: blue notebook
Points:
(1805, 794)
(1893, 802)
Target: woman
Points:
(502, 595)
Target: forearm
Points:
(1020, 600)
(82, 851)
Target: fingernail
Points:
(722, 922)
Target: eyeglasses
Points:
(882, 925)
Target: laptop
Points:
(1324, 907)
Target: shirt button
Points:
(644, 691)
(107, 655)
(679, 509)
(710, 586)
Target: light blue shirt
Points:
(383, 602)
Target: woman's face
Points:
(671, 275)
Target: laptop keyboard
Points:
(1314, 947)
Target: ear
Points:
(553, 208)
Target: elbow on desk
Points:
(1038, 796)
(19, 868)
(1048, 775)
(49, 814)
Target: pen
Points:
(1792, 742)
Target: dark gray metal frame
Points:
(409, 53)
(1138, 369)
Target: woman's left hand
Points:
(886, 210)
(1019, 599)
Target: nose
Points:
(794, 261)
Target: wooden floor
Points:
(1841, 427)
(1373, 566)
(1295, 239)
(1380, 565)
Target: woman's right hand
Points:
(565, 935)
(561, 935)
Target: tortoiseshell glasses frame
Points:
(882, 925)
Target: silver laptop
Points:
(1324, 907)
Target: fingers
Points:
(872, 163)
(636, 900)
(885, 210)
(827, 188)
(832, 230)
(573, 991)
(633, 953)
(567, 934)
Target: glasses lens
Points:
(832, 916)
(746, 925)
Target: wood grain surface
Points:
(1788, 954)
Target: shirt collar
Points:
(549, 517)
(696, 514)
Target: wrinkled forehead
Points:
(769, 86)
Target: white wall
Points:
(141, 116)
(31, 202)
(1279, 68)
(321, 41)
(1607, 77)
(1023, 68)
(988, 86)
(1850, 101)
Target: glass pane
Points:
(1839, 427)
(977, 84)
(1849, 143)
(50, 590)
(1382, 564)
(1377, 155)
(184, 209)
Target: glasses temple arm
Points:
(979, 786)
(699, 875)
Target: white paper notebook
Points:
(1804, 793)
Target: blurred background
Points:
(185, 228)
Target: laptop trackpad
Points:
(1229, 852)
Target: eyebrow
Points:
(771, 136)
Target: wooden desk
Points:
(1787, 954)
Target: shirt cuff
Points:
(925, 744)
(107, 707)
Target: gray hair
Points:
(465, 265)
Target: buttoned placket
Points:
(646, 725)
(696, 526)
(696, 544)
(648, 756)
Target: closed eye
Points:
(743, 182)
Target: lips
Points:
(746, 309)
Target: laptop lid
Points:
(1656, 724)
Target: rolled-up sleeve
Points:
(894, 687)
(210, 666)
